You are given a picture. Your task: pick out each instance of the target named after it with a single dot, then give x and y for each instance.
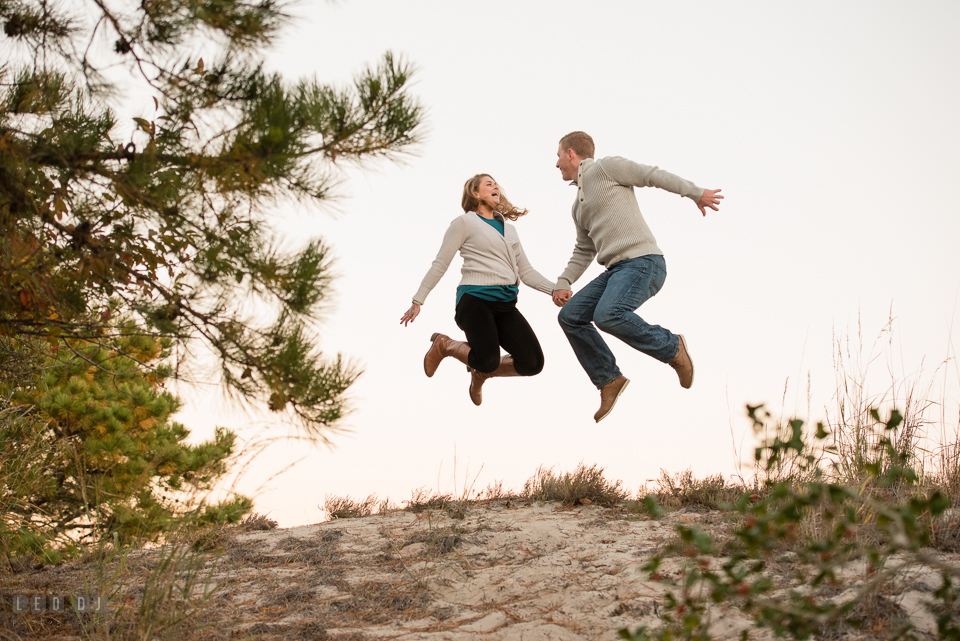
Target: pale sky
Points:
(832, 129)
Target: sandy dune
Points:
(496, 570)
(529, 572)
(505, 571)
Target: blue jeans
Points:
(608, 303)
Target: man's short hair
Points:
(579, 142)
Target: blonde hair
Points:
(470, 202)
(580, 142)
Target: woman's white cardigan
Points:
(488, 257)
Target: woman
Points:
(486, 307)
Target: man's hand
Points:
(561, 296)
(410, 314)
(711, 198)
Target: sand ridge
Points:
(498, 570)
(519, 572)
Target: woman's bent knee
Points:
(529, 367)
(485, 363)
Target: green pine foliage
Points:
(166, 209)
(91, 452)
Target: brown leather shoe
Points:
(683, 364)
(478, 378)
(609, 394)
(441, 347)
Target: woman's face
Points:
(489, 192)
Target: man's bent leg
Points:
(576, 319)
(630, 284)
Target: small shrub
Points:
(344, 507)
(494, 492)
(683, 490)
(386, 506)
(775, 523)
(422, 500)
(583, 486)
(256, 522)
(90, 448)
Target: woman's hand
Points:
(410, 314)
(561, 296)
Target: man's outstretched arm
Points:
(710, 198)
(628, 172)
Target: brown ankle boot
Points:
(683, 364)
(441, 347)
(477, 379)
(609, 394)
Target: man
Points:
(610, 226)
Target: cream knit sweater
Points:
(607, 216)
(488, 257)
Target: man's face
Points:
(567, 163)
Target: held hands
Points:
(561, 296)
(410, 314)
(711, 198)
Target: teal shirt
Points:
(501, 293)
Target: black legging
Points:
(492, 324)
